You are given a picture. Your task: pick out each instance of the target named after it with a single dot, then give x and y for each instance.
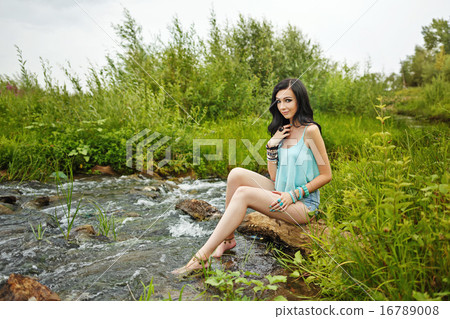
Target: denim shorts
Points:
(312, 201)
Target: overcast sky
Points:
(79, 31)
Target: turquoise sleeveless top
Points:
(296, 166)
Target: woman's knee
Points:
(236, 175)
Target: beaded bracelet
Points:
(292, 197)
(272, 155)
(271, 148)
(306, 190)
(295, 195)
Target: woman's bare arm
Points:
(272, 168)
(315, 142)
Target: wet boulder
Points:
(85, 233)
(40, 201)
(132, 214)
(82, 233)
(85, 229)
(106, 170)
(149, 191)
(22, 288)
(5, 210)
(198, 209)
(281, 232)
(9, 199)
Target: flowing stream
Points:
(153, 238)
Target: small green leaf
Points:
(257, 282)
(443, 188)
(242, 280)
(59, 174)
(298, 258)
(214, 281)
(256, 289)
(249, 273)
(275, 279)
(279, 298)
(310, 279)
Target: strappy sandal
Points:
(184, 271)
(225, 241)
(228, 240)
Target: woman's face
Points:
(286, 103)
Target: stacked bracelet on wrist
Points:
(300, 196)
(306, 190)
(293, 196)
(272, 153)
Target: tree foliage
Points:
(433, 59)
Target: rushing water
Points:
(153, 238)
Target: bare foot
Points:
(224, 246)
(194, 264)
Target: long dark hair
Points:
(304, 112)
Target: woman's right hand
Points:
(279, 135)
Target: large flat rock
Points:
(22, 288)
(198, 209)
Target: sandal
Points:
(225, 241)
(184, 271)
(228, 240)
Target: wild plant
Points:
(39, 232)
(105, 224)
(232, 285)
(69, 213)
(148, 291)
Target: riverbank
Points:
(429, 103)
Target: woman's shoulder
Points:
(312, 133)
(312, 128)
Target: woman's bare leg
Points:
(236, 178)
(245, 197)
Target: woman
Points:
(298, 166)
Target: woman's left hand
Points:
(281, 203)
